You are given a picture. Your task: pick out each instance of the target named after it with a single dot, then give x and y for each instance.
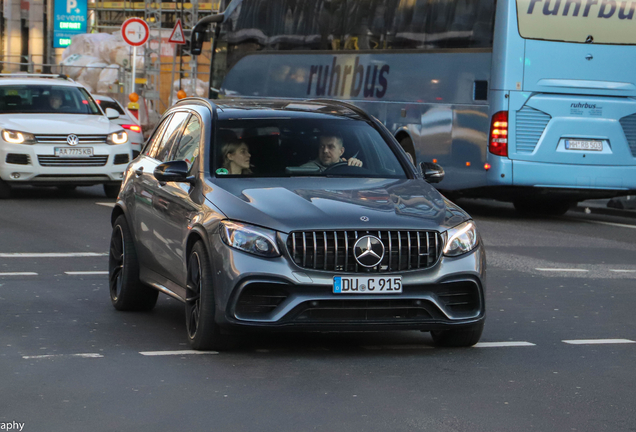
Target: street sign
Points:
(135, 31)
(177, 34)
(69, 19)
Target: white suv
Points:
(52, 133)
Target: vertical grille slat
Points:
(415, 250)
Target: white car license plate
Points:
(73, 151)
(367, 285)
(590, 145)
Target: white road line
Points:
(53, 255)
(612, 224)
(183, 352)
(502, 344)
(86, 272)
(105, 204)
(19, 274)
(622, 271)
(597, 341)
(561, 270)
(88, 355)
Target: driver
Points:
(330, 153)
(55, 100)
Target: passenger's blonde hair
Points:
(228, 148)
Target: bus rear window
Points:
(591, 21)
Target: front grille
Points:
(61, 139)
(333, 250)
(530, 124)
(121, 159)
(366, 311)
(629, 128)
(72, 162)
(259, 299)
(18, 159)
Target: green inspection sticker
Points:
(222, 171)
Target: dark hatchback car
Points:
(292, 215)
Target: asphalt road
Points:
(557, 352)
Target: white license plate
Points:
(367, 285)
(590, 145)
(73, 151)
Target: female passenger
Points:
(236, 158)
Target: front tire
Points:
(112, 191)
(203, 331)
(5, 190)
(461, 337)
(127, 293)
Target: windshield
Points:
(606, 22)
(286, 147)
(110, 104)
(46, 99)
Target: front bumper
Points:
(253, 292)
(36, 165)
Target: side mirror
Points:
(112, 114)
(199, 30)
(173, 171)
(433, 173)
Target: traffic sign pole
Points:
(134, 68)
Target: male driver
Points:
(330, 153)
(55, 100)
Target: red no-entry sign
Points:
(135, 31)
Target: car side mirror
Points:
(112, 114)
(173, 171)
(433, 173)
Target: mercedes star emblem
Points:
(72, 140)
(368, 251)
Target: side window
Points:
(170, 136)
(151, 146)
(188, 148)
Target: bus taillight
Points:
(498, 143)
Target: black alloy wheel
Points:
(203, 331)
(127, 292)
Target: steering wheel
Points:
(336, 165)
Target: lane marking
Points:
(105, 204)
(53, 255)
(612, 224)
(182, 352)
(88, 355)
(622, 271)
(597, 341)
(19, 274)
(502, 344)
(86, 272)
(561, 270)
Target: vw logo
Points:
(368, 251)
(364, 219)
(72, 140)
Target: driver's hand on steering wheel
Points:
(353, 162)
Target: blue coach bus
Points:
(529, 101)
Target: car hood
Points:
(334, 203)
(58, 124)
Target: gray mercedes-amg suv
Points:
(292, 215)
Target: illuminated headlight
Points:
(15, 137)
(461, 239)
(118, 137)
(248, 238)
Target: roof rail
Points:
(355, 109)
(30, 75)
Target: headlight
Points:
(461, 239)
(248, 238)
(15, 137)
(118, 137)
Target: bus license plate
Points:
(74, 152)
(589, 145)
(367, 285)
